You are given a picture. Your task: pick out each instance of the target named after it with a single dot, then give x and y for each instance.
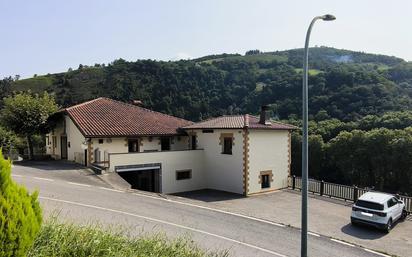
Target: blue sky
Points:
(45, 36)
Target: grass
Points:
(252, 58)
(36, 84)
(67, 239)
(311, 72)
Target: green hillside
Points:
(344, 84)
(360, 104)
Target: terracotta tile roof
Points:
(103, 117)
(238, 122)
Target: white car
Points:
(378, 209)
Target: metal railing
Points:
(347, 193)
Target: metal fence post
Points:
(322, 187)
(355, 193)
(293, 182)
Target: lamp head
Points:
(328, 17)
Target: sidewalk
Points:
(329, 217)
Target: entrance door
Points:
(63, 145)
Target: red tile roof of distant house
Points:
(103, 117)
(239, 122)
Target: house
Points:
(156, 152)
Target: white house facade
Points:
(156, 152)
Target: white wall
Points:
(55, 152)
(111, 145)
(223, 172)
(170, 161)
(152, 145)
(182, 144)
(268, 150)
(75, 138)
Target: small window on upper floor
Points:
(193, 142)
(165, 143)
(227, 145)
(133, 145)
(101, 141)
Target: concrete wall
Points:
(171, 161)
(268, 151)
(120, 145)
(110, 145)
(74, 139)
(152, 144)
(57, 132)
(223, 171)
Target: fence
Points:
(347, 193)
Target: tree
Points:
(27, 114)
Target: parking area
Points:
(329, 217)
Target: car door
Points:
(394, 207)
(391, 209)
(399, 208)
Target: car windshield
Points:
(370, 205)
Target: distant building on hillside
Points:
(156, 152)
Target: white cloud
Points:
(182, 56)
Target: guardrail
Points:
(347, 193)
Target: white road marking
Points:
(45, 179)
(110, 189)
(78, 184)
(342, 242)
(375, 252)
(167, 223)
(313, 234)
(17, 176)
(213, 209)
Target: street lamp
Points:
(304, 236)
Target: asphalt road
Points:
(211, 229)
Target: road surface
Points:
(211, 229)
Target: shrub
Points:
(20, 215)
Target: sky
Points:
(48, 36)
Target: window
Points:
(207, 131)
(392, 202)
(183, 174)
(265, 181)
(193, 142)
(47, 140)
(100, 141)
(370, 205)
(133, 145)
(165, 143)
(227, 145)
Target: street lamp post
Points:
(304, 236)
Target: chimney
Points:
(264, 115)
(137, 102)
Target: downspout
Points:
(246, 155)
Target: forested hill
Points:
(344, 84)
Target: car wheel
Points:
(388, 226)
(404, 214)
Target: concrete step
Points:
(97, 169)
